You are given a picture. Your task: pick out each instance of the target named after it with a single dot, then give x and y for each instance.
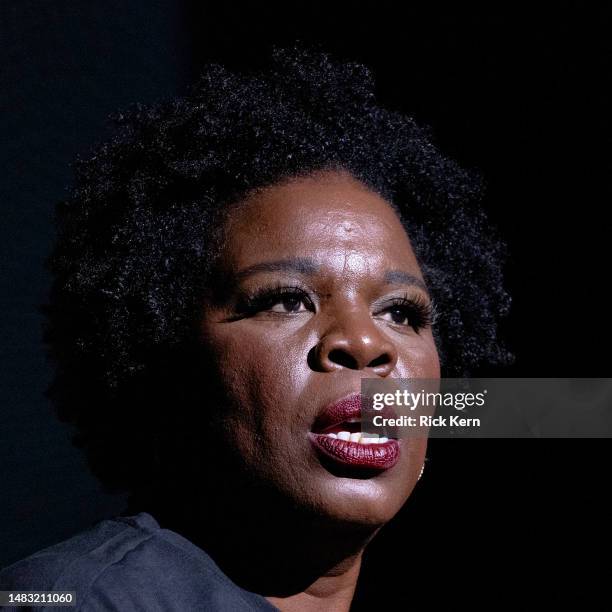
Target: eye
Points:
(281, 300)
(398, 315)
(290, 303)
(414, 312)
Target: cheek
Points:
(258, 370)
(418, 358)
(261, 367)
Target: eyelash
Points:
(419, 312)
(266, 297)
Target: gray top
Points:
(128, 564)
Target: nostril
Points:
(343, 358)
(381, 360)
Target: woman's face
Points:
(312, 272)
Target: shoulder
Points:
(130, 563)
(81, 557)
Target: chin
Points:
(361, 502)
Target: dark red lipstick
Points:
(342, 419)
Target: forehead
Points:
(329, 217)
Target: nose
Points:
(354, 342)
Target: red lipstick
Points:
(342, 419)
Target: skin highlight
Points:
(345, 248)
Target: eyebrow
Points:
(399, 277)
(301, 265)
(305, 265)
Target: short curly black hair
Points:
(136, 237)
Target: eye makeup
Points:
(410, 311)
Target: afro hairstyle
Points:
(136, 237)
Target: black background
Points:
(521, 94)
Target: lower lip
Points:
(372, 456)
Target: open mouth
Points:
(350, 431)
(337, 435)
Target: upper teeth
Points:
(360, 437)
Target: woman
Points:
(229, 267)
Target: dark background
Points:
(521, 94)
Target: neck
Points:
(332, 591)
(294, 558)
